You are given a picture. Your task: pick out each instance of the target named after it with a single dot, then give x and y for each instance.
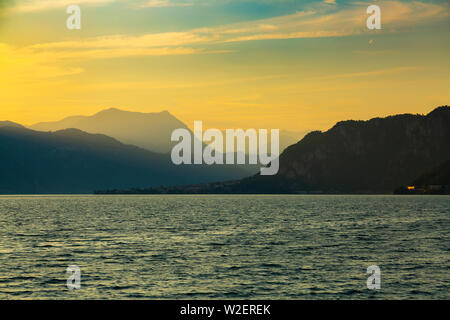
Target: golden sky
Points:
(287, 64)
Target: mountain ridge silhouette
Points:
(72, 161)
(151, 131)
(370, 157)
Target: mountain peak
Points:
(10, 124)
(110, 111)
(117, 111)
(151, 131)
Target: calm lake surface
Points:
(225, 247)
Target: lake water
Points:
(225, 247)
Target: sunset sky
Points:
(287, 64)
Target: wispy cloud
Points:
(331, 22)
(27, 6)
(164, 3)
(18, 65)
(41, 5)
(305, 24)
(314, 23)
(380, 72)
(168, 39)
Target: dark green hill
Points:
(435, 181)
(72, 161)
(437, 176)
(374, 156)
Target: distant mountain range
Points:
(151, 131)
(374, 156)
(73, 161)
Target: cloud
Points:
(153, 40)
(380, 72)
(329, 1)
(317, 22)
(41, 5)
(117, 46)
(412, 13)
(164, 3)
(328, 21)
(55, 56)
(124, 52)
(18, 65)
(28, 6)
